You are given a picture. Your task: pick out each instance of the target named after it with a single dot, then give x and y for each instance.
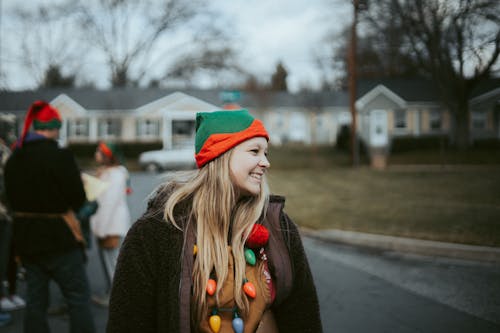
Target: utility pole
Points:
(352, 85)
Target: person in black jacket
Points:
(43, 188)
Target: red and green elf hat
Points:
(219, 131)
(43, 116)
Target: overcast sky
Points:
(267, 31)
(286, 30)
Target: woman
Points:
(111, 221)
(216, 253)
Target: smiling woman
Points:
(216, 253)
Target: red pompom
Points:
(258, 237)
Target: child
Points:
(111, 221)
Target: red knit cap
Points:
(43, 116)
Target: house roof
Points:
(133, 98)
(419, 90)
(414, 90)
(410, 90)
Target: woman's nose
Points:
(264, 162)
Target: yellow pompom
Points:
(195, 250)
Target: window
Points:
(183, 127)
(109, 128)
(435, 120)
(400, 119)
(78, 128)
(183, 133)
(148, 127)
(478, 120)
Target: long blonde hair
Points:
(216, 210)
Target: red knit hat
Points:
(219, 131)
(43, 116)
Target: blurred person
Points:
(9, 299)
(44, 188)
(5, 227)
(215, 252)
(112, 219)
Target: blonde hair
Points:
(216, 211)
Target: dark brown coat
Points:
(152, 283)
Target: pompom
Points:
(258, 237)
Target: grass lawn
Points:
(452, 204)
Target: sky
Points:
(286, 30)
(290, 31)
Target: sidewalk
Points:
(409, 245)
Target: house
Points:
(411, 108)
(133, 115)
(386, 109)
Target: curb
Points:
(408, 245)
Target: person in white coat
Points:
(112, 220)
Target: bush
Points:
(405, 144)
(344, 141)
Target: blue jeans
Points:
(68, 271)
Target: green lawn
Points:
(452, 204)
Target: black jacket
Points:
(42, 178)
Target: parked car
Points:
(167, 159)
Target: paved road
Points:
(366, 291)
(359, 290)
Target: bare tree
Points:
(132, 35)
(44, 41)
(456, 42)
(211, 58)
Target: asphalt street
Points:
(370, 291)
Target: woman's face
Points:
(247, 165)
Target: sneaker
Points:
(5, 319)
(7, 305)
(101, 300)
(18, 301)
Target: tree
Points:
(139, 38)
(44, 44)
(278, 79)
(457, 43)
(55, 79)
(378, 54)
(211, 59)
